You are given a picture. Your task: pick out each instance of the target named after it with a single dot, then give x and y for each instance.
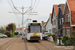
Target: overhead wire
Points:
(15, 7)
(36, 5)
(13, 10)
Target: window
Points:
(68, 31)
(60, 21)
(68, 18)
(54, 22)
(63, 32)
(49, 30)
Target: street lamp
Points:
(59, 6)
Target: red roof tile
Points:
(20, 28)
(73, 17)
(62, 7)
(71, 4)
(56, 9)
(51, 15)
(43, 23)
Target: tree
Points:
(11, 27)
(2, 30)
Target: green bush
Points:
(71, 41)
(73, 32)
(65, 38)
(50, 35)
(20, 33)
(12, 35)
(61, 38)
(68, 41)
(16, 33)
(8, 33)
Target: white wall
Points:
(49, 25)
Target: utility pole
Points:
(30, 9)
(19, 28)
(22, 22)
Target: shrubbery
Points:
(50, 35)
(73, 32)
(8, 34)
(68, 41)
(12, 35)
(20, 33)
(16, 33)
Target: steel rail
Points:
(36, 46)
(4, 40)
(12, 44)
(7, 42)
(25, 44)
(42, 45)
(45, 46)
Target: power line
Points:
(34, 3)
(14, 6)
(37, 4)
(12, 9)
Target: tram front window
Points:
(34, 29)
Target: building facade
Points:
(54, 18)
(69, 13)
(48, 25)
(60, 18)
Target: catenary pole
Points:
(22, 22)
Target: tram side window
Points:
(29, 29)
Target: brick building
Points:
(69, 13)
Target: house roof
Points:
(43, 23)
(56, 9)
(51, 15)
(71, 4)
(20, 28)
(73, 17)
(62, 7)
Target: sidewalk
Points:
(53, 46)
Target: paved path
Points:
(53, 46)
(4, 39)
(20, 45)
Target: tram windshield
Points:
(35, 28)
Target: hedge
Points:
(68, 41)
(16, 33)
(50, 35)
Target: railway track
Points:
(25, 43)
(7, 44)
(41, 45)
(36, 45)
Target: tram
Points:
(33, 31)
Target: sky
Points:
(42, 7)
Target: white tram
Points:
(33, 31)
